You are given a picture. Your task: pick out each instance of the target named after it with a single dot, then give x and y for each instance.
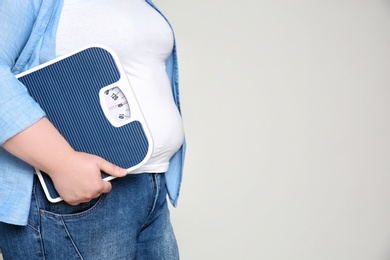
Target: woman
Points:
(127, 218)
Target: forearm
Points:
(40, 145)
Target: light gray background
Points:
(286, 109)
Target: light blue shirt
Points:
(28, 39)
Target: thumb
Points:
(111, 169)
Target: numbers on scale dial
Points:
(117, 104)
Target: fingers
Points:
(103, 187)
(106, 187)
(80, 180)
(111, 169)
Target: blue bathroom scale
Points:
(88, 98)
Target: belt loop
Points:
(155, 181)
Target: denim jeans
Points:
(130, 222)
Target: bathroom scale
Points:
(88, 98)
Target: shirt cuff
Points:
(17, 114)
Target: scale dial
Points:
(117, 105)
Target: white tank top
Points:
(143, 41)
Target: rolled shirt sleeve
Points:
(18, 110)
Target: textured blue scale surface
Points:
(68, 91)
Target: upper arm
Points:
(17, 109)
(16, 23)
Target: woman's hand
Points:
(78, 178)
(76, 175)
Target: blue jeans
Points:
(130, 222)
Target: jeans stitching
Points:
(71, 239)
(156, 190)
(38, 229)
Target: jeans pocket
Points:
(66, 210)
(66, 230)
